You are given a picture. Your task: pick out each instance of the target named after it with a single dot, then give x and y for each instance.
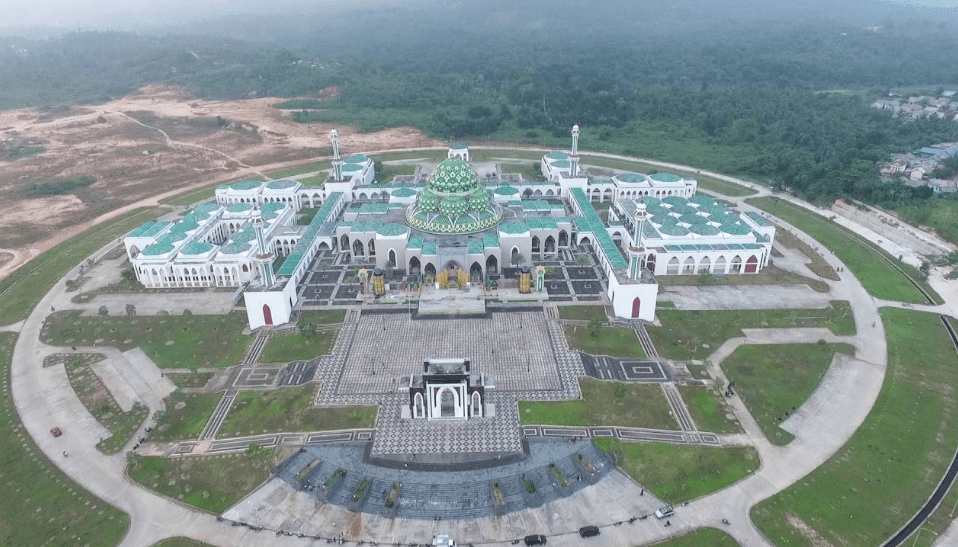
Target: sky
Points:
(142, 14)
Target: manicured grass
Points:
(708, 409)
(181, 542)
(21, 291)
(815, 262)
(299, 169)
(722, 187)
(774, 380)
(98, 401)
(315, 180)
(612, 341)
(198, 379)
(323, 317)
(583, 313)
(186, 416)
(388, 171)
(41, 505)
(606, 404)
(695, 334)
(864, 259)
(768, 276)
(172, 341)
(212, 483)
(703, 537)
(290, 409)
(679, 473)
(889, 467)
(289, 347)
(427, 155)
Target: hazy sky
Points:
(138, 14)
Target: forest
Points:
(780, 99)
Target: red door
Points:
(751, 265)
(267, 315)
(635, 307)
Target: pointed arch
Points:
(719, 266)
(563, 239)
(550, 245)
(358, 248)
(673, 266)
(736, 266)
(535, 244)
(414, 266)
(689, 266)
(492, 264)
(705, 265)
(751, 265)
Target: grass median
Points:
(41, 505)
(695, 334)
(290, 409)
(774, 380)
(679, 473)
(604, 404)
(611, 341)
(886, 471)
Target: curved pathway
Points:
(44, 402)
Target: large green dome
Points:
(453, 176)
(453, 202)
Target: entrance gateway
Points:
(447, 390)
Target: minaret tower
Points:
(337, 162)
(265, 255)
(636, 250)
(574, 158)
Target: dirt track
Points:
(158, 139)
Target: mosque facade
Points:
(450, 219)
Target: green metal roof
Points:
(506, 190)
(453, 176)
(557, 155)
(514, 228)
(490, 241)
(649, 202)
(324, 215)
(429, 248)
(271, 209)
(665, 177)
(281, 184)
(474, 247)
(404, 192)
(704, 230)
(736, 229)
(379, 208)
(683, 209)
(235, 248)
(352, 167)
(458, 146)
(702, 199)
(196, 248)
(415, 243)
(675, 200)
(673, 230)
(562, 163)
(602, 238)
(693, 219)
(392, 229)
(759, 219)
(149, 229)
(205, 209)
(238, 207)
(542, 224)
(356, 158)
(246, 184)
(161, 247)
(631, 177)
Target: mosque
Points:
(449, 220)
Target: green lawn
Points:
(887, 470)
(289, 347)
(98, 401)
(612, 341)
(181, 542)
(388, 171)
(190, 379)
(172, 341)
(21, 291)
(212, 483)
(769, 275)
(583, 313)
(815, 261)
(323, 317)
(299, 169)
(774, 380)
(37, 493)
(695, 334)
(290, 409)
(678, 473)
(186, 416)
(864, 259)
(708, 409)
(315, 180)
(604, 404)
(702, 537)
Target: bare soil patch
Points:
(180, 142)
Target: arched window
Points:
(719, 267)
(705, 265)
(751, 265)
(736, 264)
(357, 248)
(673, 267)
(414, 266)
(492, 264)
(689, 266)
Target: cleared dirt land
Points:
(155, 141)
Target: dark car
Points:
(535, 539)
(589, 531)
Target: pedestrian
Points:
(65, 454)
(642, 493)
(74, 348)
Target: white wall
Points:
(623, 297)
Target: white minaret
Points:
(574, 158)
(265, 255)
(337, 162)
(636, 250)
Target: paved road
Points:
(42, 403)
